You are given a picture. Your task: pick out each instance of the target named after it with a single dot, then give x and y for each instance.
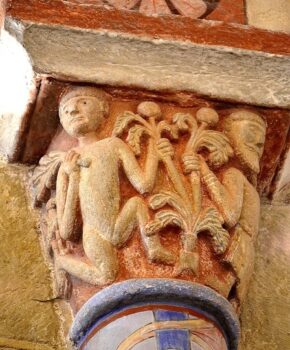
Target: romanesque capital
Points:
(149, 192)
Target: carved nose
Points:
(74, 112)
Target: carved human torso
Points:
(249, 219)
(99, 189)
(242, 205)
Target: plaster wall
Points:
(269, 14)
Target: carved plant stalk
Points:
(168, 162)
(195, 176)
(207, 117)
(202, 220)
(152, 112)
(186, 214)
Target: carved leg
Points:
(101, 253)
(135, 212)
(62, 278)
(240, 256)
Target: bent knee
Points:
(137, 201)
(104, 276)
(110, 277)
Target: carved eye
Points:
(251, 137)
(84, 102)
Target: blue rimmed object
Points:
(141, 292)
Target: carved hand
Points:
(164, 148)
(191, 162)
(70, 165)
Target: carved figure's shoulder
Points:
(234, 173)
(115, 142)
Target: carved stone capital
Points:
(144, 189)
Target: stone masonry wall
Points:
(29, 316)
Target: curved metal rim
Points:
(136, 291)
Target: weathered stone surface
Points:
(269, 14)
(266, 312)
(29, 315)
(117, 59)
(68, 13)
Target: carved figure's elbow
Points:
(144, 190)
(231, 218)
(147, 187)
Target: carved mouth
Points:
(77, 119)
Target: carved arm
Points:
(67, 197)
(143, 181)
(227, 194)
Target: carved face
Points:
(248, 138)
(81, 115)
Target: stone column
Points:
(152, 153)
(192, 218)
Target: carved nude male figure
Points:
(94, 190)
(232, 192)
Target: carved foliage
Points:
(44, 176)
(182, 205)
(187, 211)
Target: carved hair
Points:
(243, 115)
(85, 91)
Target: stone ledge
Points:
(206, 32)
(122, 59)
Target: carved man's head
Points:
(82, 110)
(246, 131)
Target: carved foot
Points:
(188, 262)
(161, 255)
(59, 246)
(63, 282)
(152, 228)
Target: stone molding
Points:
(115, 58)
(214, 32)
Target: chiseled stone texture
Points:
(266, 312)
(29, 317)
(125, 59)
